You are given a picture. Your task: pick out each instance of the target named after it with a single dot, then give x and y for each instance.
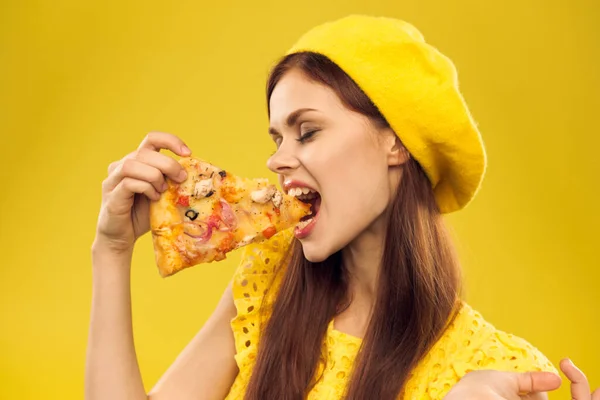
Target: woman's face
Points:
(339, 153)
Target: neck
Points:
(362, 259)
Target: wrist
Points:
(110, 256)
(104, 247)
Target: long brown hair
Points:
(417, 289)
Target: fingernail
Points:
(185, 150)
(164, 186)
(182, 176)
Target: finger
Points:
(137, 170)
(114, 165)
(165, 164)
(129, 187)
(537, 381)
(156, 141)
(596, 394)
(580, 388)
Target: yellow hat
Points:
(416, 89)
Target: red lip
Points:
(304, 232)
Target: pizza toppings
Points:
(277, 199)
(197, 231)
(227, 215)
(263, 195)
(223, 220)
(191, 214)
(203, 188)
(209, 215)
(183, 200)
(269, 232)
(193, 229)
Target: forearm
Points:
(112, 370)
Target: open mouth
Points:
(312, 197)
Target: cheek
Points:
(342, 155)
(355, 183)
(357, 168)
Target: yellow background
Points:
(82, 83)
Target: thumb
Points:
(538, 381)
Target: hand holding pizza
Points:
(132, 183)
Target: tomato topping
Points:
(270, 231)
(270, 216)
(184, 201)
(277, 211)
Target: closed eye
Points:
(306, 136)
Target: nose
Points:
(283, 161)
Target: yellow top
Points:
(470, 343)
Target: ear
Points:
(397, 154)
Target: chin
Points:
(315, 252)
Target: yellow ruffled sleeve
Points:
(470, 343)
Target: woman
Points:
(363, 301)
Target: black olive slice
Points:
(191, 214)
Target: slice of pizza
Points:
(214, 212)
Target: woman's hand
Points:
(131, 183)
(580, 388)
(496, 385)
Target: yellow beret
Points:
(415, 87)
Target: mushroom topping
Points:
(263, 195)
(203, 188)
(277, 199)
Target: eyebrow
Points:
(291, 119)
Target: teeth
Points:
(297, 192)
(302, 224)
